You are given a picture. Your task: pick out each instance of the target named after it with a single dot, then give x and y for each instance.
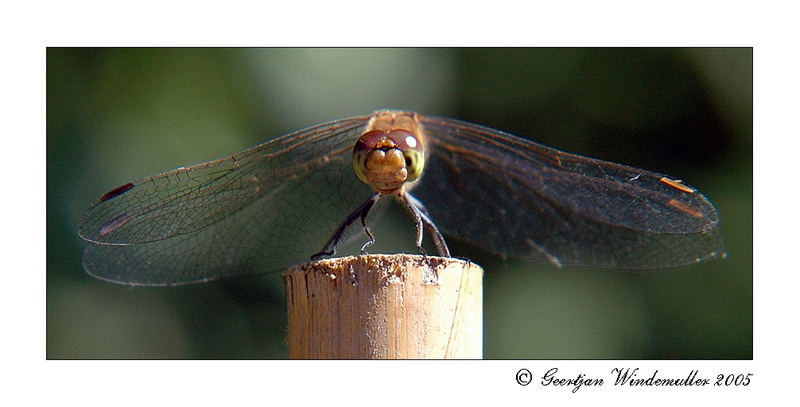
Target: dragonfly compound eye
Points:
(412, 152)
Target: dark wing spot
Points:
(677, 184)
(114, 224)
(685, 208)
(116, 192)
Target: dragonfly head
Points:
(387, 160)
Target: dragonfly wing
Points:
(230, 217)
(521, 199)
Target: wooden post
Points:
(385, 307)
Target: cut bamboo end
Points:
(385, 307)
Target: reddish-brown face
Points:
(388, 160)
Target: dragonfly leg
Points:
(364, 214)
(423, 220)
(361, 213)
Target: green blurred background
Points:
(117, 114)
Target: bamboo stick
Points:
(385, 307)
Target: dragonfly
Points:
(261, 209)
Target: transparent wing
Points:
(256, 211)
(521, 199)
